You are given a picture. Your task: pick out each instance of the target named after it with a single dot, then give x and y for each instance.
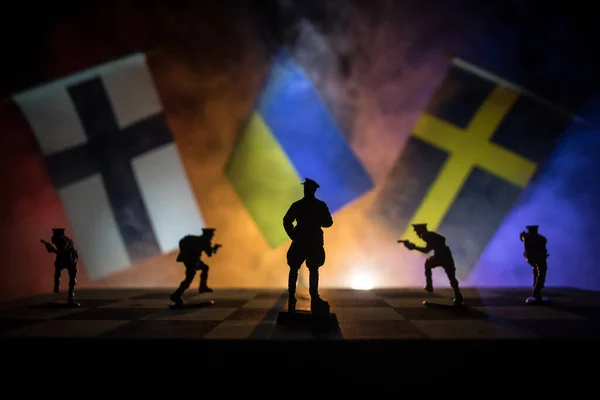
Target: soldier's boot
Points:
(176, 296)
(292, 281)
(71, 298)
(538, 285)
(176, 299)
(428, 280)
(203, 283)
(317, 304)
(458, 298)
(536, 295)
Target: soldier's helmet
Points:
(420, 227)
(58, 236)
(532, 228)
(309, 183)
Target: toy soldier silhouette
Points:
(190, 252)
(66, 258)
(310, 215)
(536, 255)
(442, 257)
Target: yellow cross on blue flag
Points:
(473, 150)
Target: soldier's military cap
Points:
(419, 226)
(58, 231)
(532, 227)
(310, 183)
(208, 230)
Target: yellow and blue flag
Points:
(290, 136)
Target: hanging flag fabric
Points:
(478, 144)
(113, 161)
(290, 136)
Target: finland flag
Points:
(114, 163)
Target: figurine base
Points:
(443, 305)
(322, 309)
(533, 300)
(204, 304)
(64, 304)
(306, 319)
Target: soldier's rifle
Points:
(49, 246)
(409, 245)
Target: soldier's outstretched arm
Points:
(288, 221)
(49, 247)
(327, 218)
(208, 250)
(425, 249)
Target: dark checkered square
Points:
(163, 329)
(356, 303)
(440, 313)
(110, 314)
(165, 295)
(9, 324)
(276, 294)
(560, 329)
(403, 293)
(380, 330)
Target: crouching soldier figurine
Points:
(442, 257)
(190, 252)
(66, 258)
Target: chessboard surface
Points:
(252, 314)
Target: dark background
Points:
(548, 47)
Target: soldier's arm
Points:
(327, 218)
(208, 249)
(288, 221)
(426, 249)
(49, 247)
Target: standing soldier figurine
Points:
(310, 214)
(66, 258)
(190, 251)
(536, 254)
(442, 257)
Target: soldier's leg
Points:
(429, 265)
(72, 283)
(295, 259)
(534, 271)
(292, 282)
(450, 270)
(203, 288)
(190, 273)
(57, 272)
(314, 261)
(540, 280)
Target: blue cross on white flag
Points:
(114, 163)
